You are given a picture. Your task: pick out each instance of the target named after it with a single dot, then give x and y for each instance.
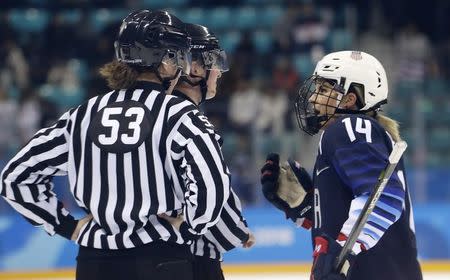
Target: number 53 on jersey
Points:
(120, 127)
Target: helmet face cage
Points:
(317, 93)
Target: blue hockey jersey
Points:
(353, 150)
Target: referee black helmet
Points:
(206, 50)
(146, 39)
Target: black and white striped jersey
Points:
(231, 230)
(123, 153)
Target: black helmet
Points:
(146, 38)
(205, 48)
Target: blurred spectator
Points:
(13, 66)
(62, 75)
(245, 56)
(308, 29)
(285, 78)
(29, 116)
(273, 105)
(444, 58)
(414, 53)
(244, 107)
(63, 37)
(282, 31)
(8, 136)
(286, 82)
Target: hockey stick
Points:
(394, 158)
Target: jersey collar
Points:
(147, 85)
(183, 96)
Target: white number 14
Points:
(367, 129)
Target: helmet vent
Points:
(371, 93)
(336, 58)
(327, 68)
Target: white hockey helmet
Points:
(345, 71)
(348, 67)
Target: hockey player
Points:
(343, 99)
(208, 63)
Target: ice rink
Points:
(427, 276)
(69, 275)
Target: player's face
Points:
(324, 99)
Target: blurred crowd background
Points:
(50, 52)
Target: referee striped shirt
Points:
(123, 153)
(231, 230)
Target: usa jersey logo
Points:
(356, 55)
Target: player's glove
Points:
(326, 251)
(289, 188)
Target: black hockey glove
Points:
(289, 188)
(326, 250)
(269, 180)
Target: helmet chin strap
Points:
(313, 123)
(165, 82)
(202, 83)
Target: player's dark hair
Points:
(118, 75)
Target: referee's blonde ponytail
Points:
(118, 75)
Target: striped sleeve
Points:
(230, 232)
(26, 180)
(359, 165)
(201, 163)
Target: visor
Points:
(215, 59)
(180, 58)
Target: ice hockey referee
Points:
(121, 151)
